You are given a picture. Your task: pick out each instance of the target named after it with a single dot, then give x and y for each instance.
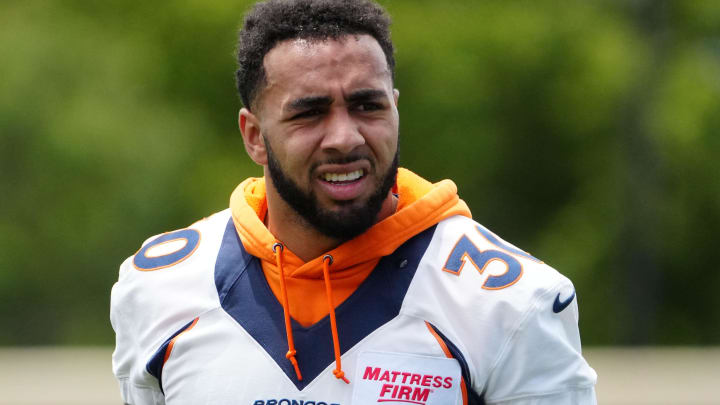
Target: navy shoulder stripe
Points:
(155, 365)
(473, 397)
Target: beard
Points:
(356, 216)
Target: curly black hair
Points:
(273, 21)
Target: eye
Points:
(369, 106)
(307, 113)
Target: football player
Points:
(339, 278)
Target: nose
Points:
(342, 132)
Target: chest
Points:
(220, 362)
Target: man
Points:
(338, 278)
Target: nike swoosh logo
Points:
(558, 305)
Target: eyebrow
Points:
(365, 95)
(305, 103)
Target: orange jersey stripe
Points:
(449, 355)
(172, 342)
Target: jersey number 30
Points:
(465, 250)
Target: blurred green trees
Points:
(584, 132)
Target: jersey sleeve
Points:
(167, 283)
(137, 387)
(541, 361)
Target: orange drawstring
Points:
(338, 373)
(327, 261)
(286, 310)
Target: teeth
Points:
(336, 177)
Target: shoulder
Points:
(176, 254)
(472, 259)
(474, 285)
(503, 308)
(169, 280)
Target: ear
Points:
(252, 136)
(396, 95)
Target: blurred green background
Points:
(584, 132)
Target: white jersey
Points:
(454, 316)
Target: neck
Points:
(296, 234)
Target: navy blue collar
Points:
(246, 296)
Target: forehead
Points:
(318, 67)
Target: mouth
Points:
(341, 178)
(344, 182)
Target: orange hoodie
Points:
(421, 205)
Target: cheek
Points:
(300, 148)
(383, 139)
(291, 144)
(296, 158)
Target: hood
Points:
(296, 284)
(421, 204)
